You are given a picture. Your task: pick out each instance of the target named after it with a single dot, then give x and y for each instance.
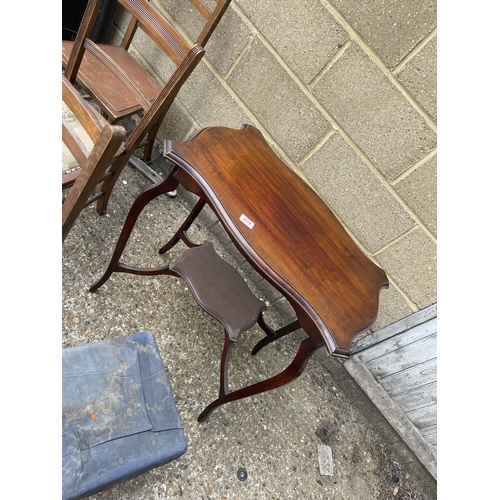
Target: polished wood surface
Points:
(285, 231)
(295, 240)
(233, 304)
(117, 99)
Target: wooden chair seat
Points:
(107, 88)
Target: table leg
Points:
(296, 367)
(145, 197)
(273, 335)
(181, 233)
(228, 344)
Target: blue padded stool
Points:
(119, 417)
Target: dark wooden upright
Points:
(104, 142)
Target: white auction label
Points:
(246, 221)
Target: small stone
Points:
(325, 459)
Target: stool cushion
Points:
(119, 417)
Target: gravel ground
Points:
(273, 436)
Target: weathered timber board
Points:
(401, 340)
(416, 398)
(396, 328)
(406, 380)
(423, 417)
(401, 359)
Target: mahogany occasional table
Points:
(283, 229)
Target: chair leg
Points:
(296, 367)
(115, 170)
(148, 148)
(145, 197)
(109, 183)
(181, 233)
(147, 152)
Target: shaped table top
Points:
(286, 231)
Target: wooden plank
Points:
(404, 358)
(415, 376)
(423, 417)
(394, 415)
(396, 342)
(432, 429)
(431, 439)
(416, 398)
(396, 328)
(145, 169)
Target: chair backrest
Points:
(212, 18)
(93, 151)
(157, 27)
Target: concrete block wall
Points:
(345, 93)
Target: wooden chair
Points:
(212, 18)
(92, 142)
(121, 86)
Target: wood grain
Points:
(295, 239)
